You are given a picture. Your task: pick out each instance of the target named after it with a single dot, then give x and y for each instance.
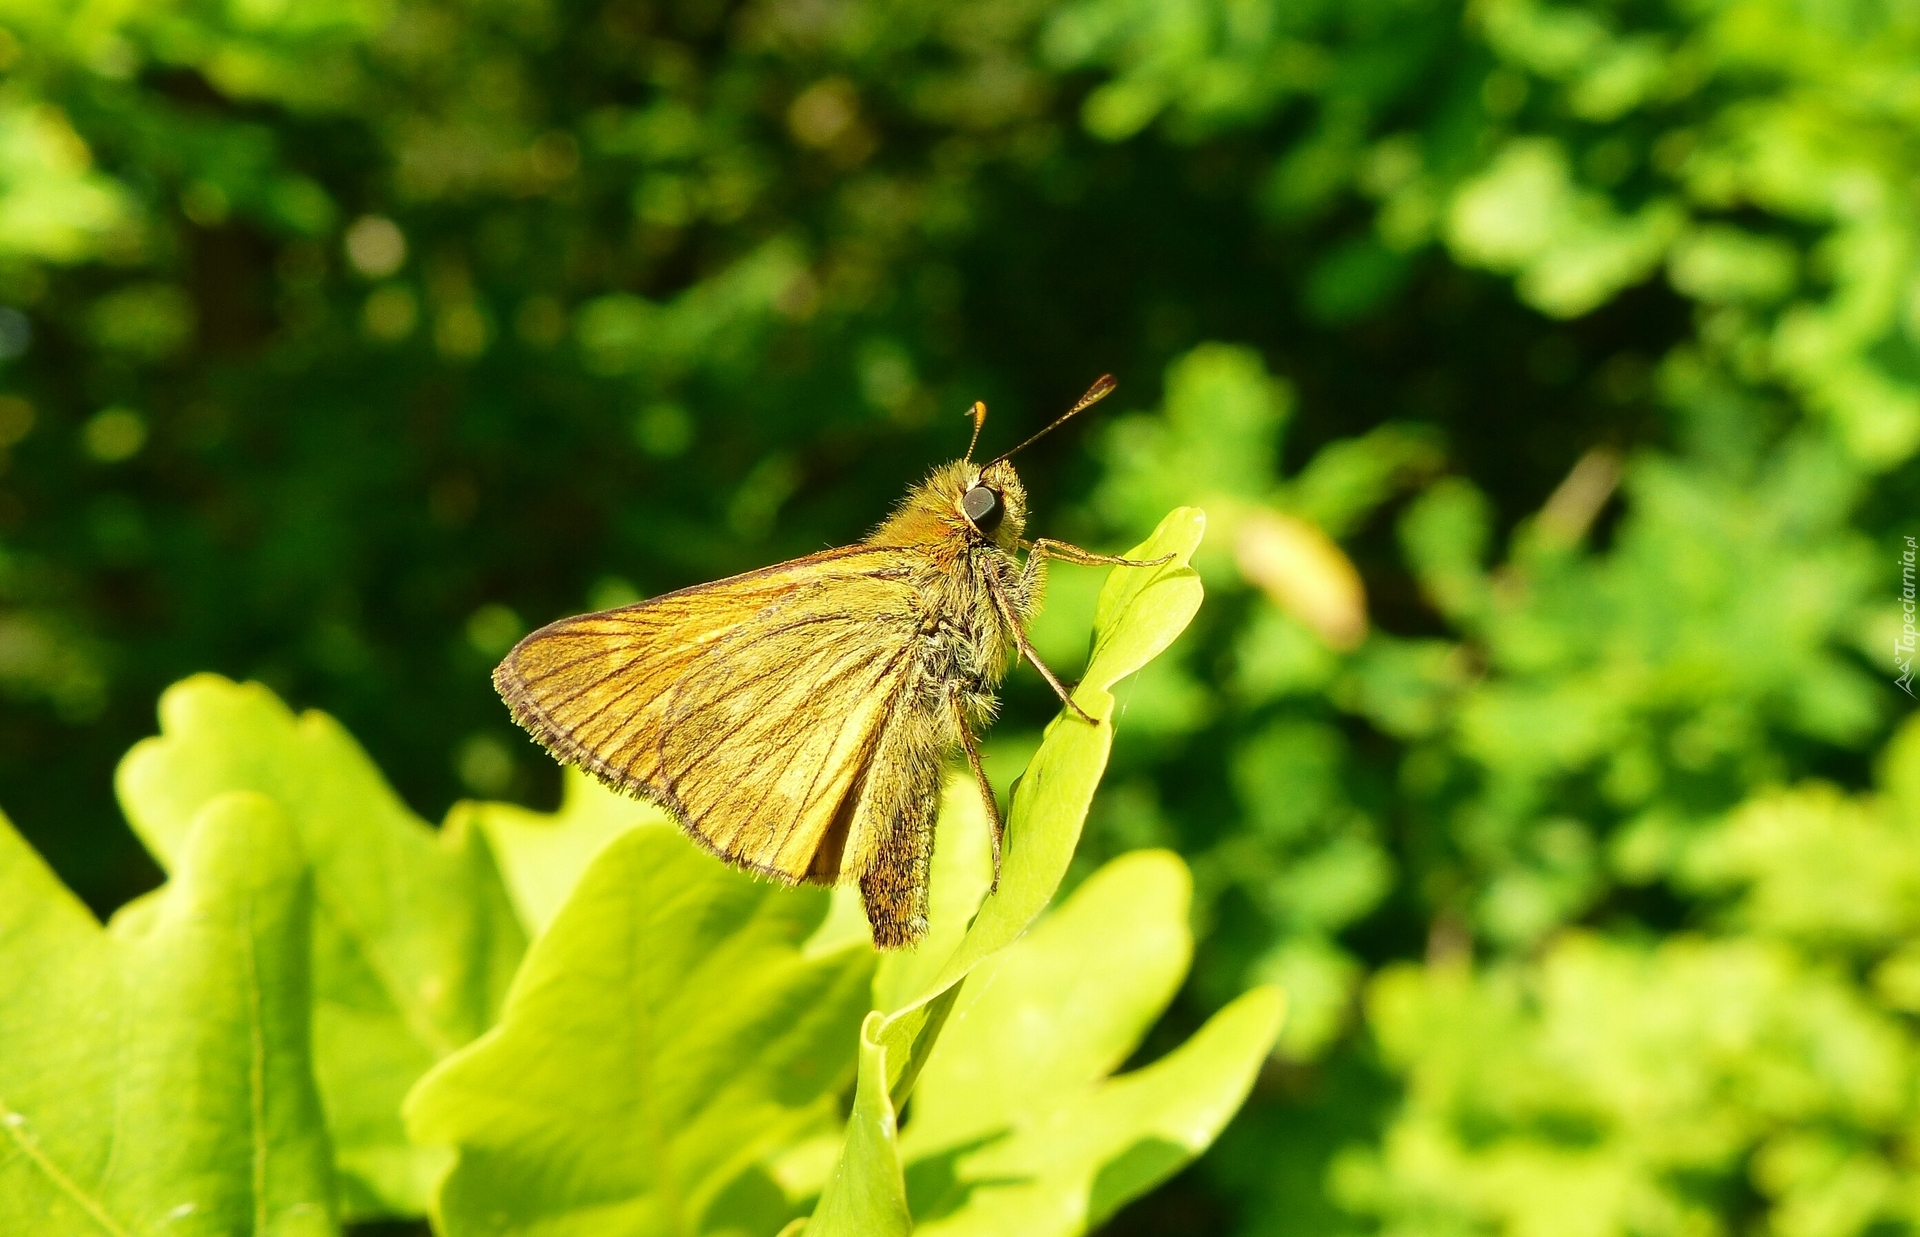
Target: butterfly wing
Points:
(749, 708)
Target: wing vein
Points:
(750, 708)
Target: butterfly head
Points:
(988, 500)
(961, 504)
(991, 503)
(974, 504)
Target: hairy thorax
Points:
(965, 641)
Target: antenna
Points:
(1102, 387)
(979, 414)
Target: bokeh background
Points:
(1550, 374)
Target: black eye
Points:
(982, 506)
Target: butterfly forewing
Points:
(749, 707)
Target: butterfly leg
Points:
(1047, 547)
(1053, 680)
(996, 827)
(1026, 651)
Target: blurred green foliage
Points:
(1762, 1060)
(1549, 372)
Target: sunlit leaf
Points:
(414, 939)
(155, 1076)
(867, 1193)
(541, 855)
(666, 1032)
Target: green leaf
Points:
(1141, 611)
(666, 1032)
(1015, 1126)
(1068, 1171)
(542, 854)
(414, 940)
(156, 1076)
(867, 1193)
(1039, 1022)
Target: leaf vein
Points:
(16, 1127)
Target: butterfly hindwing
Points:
(750, 708)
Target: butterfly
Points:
(796, 720)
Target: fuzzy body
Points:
(796, 720)
(970, 590)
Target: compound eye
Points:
(982, 505)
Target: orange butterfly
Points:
(795, 720)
